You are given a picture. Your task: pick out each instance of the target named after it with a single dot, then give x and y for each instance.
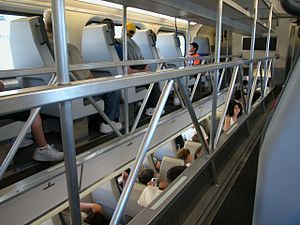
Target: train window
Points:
(118, 30)
(260, 43)
(5, 56)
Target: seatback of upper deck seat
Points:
(147, 44)
(167, 163)
(30, 47)
(98, 46)
(168, 149)
(204, 46)
(169, 47)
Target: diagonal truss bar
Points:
(222, 76)
(266, 80)
(16, 145)
(100, 110)
(227, 101)
(253, 88)
(138, 117)
(192, 113)
(141, 153)
(196, 82)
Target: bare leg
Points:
(38, 132)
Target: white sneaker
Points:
(105, 128)
(150, 111)
(25, 143)
(176, 101)
(47, 154)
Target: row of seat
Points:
(31, 48)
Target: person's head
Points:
(238, 95)
(111, 26)
(131, 29)
(245, 83)
(185, 155)
(95, 218)
(174, 172)
(146, 175)
(198, 153)
(48, 21)
(193, 48)
(235, 109)
(196, 138)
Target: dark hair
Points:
(183, 154)
(195, 45)
(95, 218)
(145, 176)
(198, 151)
(231, 108)
(174, 172)
(237, 94)
(196, 138)
(245, 82)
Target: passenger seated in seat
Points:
(193, 53)
(145, 176)
(189, 134)
(152, 190)
(93, 214)
(134, 53)
(111, 100)
(43, 152)
(234, 112)
(185, 155)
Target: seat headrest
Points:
(166, 164)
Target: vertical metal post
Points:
(192, 113)
(141, 153)
(250, 75)
(125, 58)
(62, 71)
(267, 49)
(216, 75)
(187, 46)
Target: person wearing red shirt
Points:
(193, 53)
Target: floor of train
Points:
(24, 166)
(238, 206)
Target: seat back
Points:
(192, 146)
(132, 207)
(169, 47)
(30, 48)
(166, 164)
(147, 43)
(98, 46)
(168, 149)
(204, 47)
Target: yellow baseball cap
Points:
(131, 29)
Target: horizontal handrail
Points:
(42, 95)
(92, 66)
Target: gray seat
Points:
(30, 48)
(97, 46)
(169, 47)
(193, 146)
(168, 149)
(166, 164)
(147, 45)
